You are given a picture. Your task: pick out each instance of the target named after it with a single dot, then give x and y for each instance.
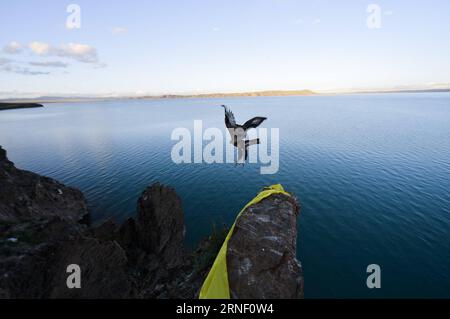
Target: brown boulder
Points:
(261, 255)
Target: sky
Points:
(197, 46)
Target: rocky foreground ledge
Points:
(44, 227)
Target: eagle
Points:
(238, 133)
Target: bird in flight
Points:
(238, 133)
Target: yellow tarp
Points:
(216, 283)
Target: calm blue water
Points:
(372, 173)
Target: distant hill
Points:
(67, 99)
(445, 90)
(240, 94)
(421, 91)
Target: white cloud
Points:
(77, 51)
(40, 48)
(4, 61)
(216, 29)
(11, 66)
(21, 70)
(12, 48)
(100, 65)
(119, 30)
(80, 52)
(51, 64)
(317, 21)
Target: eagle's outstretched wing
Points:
(230, 122)
(254, 122)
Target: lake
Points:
(372, 173)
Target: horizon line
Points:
(15, 96)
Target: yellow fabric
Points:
(216, 283)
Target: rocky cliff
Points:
(27, 196)
(44, 227)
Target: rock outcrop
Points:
(261, 255)
(25, 195)
(13, 105)
(160, 223)
(44, 228)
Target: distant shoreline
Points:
(243, 94)
(18, 105)
(269, 93)
(57, 99)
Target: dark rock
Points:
(261, 256)
(160, 224)
(127, 234)
(35, 266)
(153, 243)
(25, 195)
(103, 270)
(42, 217)
(8, 106)
(105, 231)
(26, 265)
